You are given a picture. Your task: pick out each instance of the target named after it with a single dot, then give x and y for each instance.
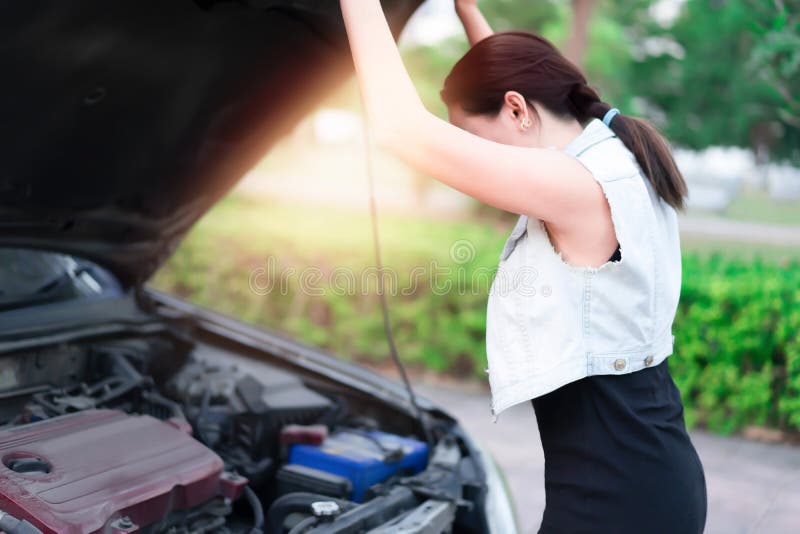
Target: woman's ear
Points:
(517, 104)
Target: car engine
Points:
(144, 435)
(65, 473)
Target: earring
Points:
(526, 123)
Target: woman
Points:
(580, 312)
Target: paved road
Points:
(715, 227)
(753, 487)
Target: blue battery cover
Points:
(363, 457)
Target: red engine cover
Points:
(103, 464)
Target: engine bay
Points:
(150, 434)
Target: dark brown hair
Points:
(532, 66)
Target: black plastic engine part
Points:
(110, 381)
(298, 502)
(299, 478)
(241, 417)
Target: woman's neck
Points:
(557, 132)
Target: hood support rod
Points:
(387, 326)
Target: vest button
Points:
(619, 365)
(648, 361)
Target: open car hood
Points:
(124, 121)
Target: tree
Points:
(775, 58)
(579, 36)
(724, 73)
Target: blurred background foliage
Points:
(737, 346)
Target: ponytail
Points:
(651, 150)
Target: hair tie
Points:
(610, 114)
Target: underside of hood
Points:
(123, 121)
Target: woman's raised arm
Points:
(475, 24)
(545, 184)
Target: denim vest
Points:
(549, 323)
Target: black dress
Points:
(618, 459)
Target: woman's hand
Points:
(474, 22)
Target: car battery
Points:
(363, 457)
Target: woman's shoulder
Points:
(610, 161)
(605, 155)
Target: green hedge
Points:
(737, 350)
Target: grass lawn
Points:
(758, 206)
(326, 235)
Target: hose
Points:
(258, 510)
(11, 525)
(304, 525)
